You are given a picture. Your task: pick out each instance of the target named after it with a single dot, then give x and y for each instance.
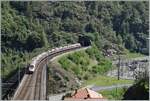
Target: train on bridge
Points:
(83, 41)
(36, 60)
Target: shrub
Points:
(65, 63)
(77, 70)
(79, 58)
(94, 52)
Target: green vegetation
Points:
(77, 65)
(106, 81)
(94, 53)
(79, 58)
(30, 27)
(27, 27)
(141, 87)
(20, 59)
(114, 94)
(65, 63)
(133, 55)
(82, 63)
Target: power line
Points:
(119, 68)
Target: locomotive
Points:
(36, 60)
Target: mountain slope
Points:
(30, 27)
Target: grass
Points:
(106, 81)
(114, 94)
(132, 54)
(128, 55)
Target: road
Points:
(98, 88)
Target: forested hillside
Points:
(28, 28)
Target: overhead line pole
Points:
(119, 68)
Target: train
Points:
(36, 60)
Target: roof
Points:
(85, 93)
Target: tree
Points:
(90, 28)
(34, 41)
(130, 43)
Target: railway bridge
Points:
(33, 86)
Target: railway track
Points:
(33, 86)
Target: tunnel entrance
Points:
(84, 41)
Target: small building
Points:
(84, 94)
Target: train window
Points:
(31, 66)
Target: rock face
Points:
(60, 81)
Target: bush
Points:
(115, 94)
(79, 58)
(65, 63)
(94, 52)
(27, 26)
(77, 70)
(102, 67)
(86, 76)
(79, 62)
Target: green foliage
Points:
(61, 38)
(79, 58)
(76, 70)
(103, 66)
(65, 63)
(8, 60)
(129, 54)
(106, 81)
(27, 26)
(80, 63)
(108, 20)
(94, 52)
(114, 94)
(141, 87)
